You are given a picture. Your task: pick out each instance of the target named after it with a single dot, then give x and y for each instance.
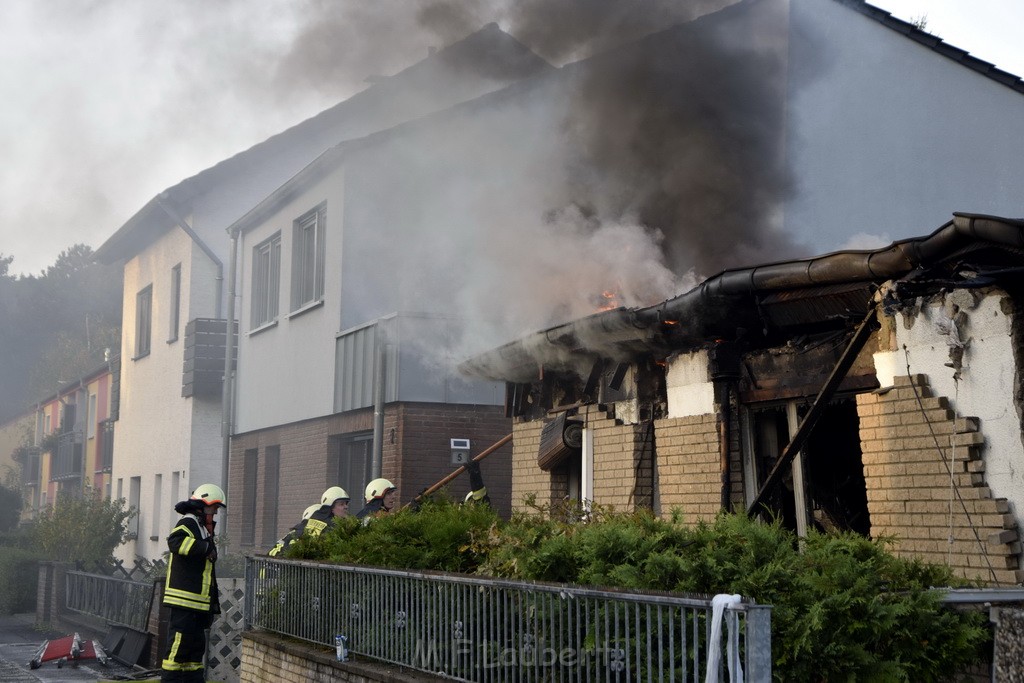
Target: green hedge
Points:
(19, 578)
(844, 607)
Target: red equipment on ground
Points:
(68, 649)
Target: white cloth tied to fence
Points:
(718, 605)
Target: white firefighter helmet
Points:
(210, 494)
(377, 488)
(308, 512)
(333, 494)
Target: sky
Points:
(108, 102)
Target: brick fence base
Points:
(266, 657)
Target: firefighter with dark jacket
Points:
(478, 492)
(190, 591)
(294, 532)
(316, 518)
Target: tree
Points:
(55, 325)
(83, 529)
(10, 507)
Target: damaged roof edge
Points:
(519, 360)
(843, 267)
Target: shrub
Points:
(82, 529)
(844, 607)
(19, 578)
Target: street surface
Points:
(19, 641)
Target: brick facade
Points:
(623, 464)
(423, 436)
(268, 658)
(527, 478)
(415, 454)
(905, 471)
(907, 452)
(689, 469)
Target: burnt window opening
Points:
(827, 480)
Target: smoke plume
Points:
(652, 160)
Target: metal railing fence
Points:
(118, 601)
(481, 629)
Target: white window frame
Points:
(144, 321)
(266, 281)
(308, 238)
(90, 417)
(175, 304)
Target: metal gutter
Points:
(844, 267)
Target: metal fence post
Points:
(759, 644)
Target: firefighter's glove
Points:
(211, 552)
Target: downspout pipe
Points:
(228, 387)
(379, 376)
(722, 391)
(176, 217)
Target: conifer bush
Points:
(844, 607)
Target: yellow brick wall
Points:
(266, 657)
(689, 470)
(623, 474)
(527, 478)
(622, 464)
(907, 456)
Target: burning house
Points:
(374, 252)
(873, 391)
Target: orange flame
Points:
(609, 299)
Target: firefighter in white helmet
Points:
(316, 518)
(190, 589)
(380, 495)
(294, 532)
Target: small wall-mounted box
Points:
(460, 451)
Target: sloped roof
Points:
(336, 155)
(972, 249)
(936, 44)
(451, 74)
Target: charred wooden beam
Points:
(594, 381)
(620, 374)
(857, 342)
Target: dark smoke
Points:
(680, 132)
(684, 134)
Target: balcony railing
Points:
(203, 370)
(67, 460)
(29, 459)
